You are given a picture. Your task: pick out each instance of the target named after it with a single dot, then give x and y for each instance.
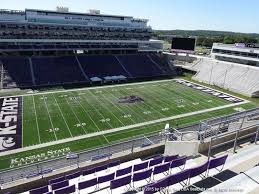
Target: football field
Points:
(83, 119)
(55, 116)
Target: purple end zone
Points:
(10, 123)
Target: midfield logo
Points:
(10, 123)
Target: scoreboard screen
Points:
(183, 44)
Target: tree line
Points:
(206, 38)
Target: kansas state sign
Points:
(210, 91)
(10, 123)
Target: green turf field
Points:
(55, 116)
(62, 115)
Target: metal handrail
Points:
(115, 147)
(237, 137)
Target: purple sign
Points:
(10, 123)
(240, 45)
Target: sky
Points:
(222, 15)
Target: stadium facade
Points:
(19, 29)
(238, 53)
(62, 39)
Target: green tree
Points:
(229, 40)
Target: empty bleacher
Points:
(234, 77)
(162, 62)
(101, 66)
(15, 72)
(140, 66)
(57, 70)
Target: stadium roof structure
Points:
(84, 14)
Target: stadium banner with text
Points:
(38, 157)
(10, 123)
(210, 91)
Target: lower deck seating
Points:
(16, 72)
(101, 66)
(162, 62)
(140, 66)
(57, 70)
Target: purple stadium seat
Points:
(88, 171)
(100, 168)
(66, 190)
(73, 175)
(40, 190)
(216, 162)
(114, 163)
(116, 183)
(179, 177)
(106, 178)
(140, 166)
(157, 186)
(179, 162)
(156, 161)
(170, 158)
(59, 185)
(87, 184)
(142, 175)
(59, 179)
(123, 171)
(161, 168)
(195, 171)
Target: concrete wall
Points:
(188, 148)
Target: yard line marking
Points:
(118, 107)
(97, 127)
(119, 129)
(92, 121)
(106, 139)
(188, 97)
(35, 113)
(96, 110)
(119, 85)
(163, 101)
(140, 91)
(107, 108)
(76, 116)
(132, 111)
(50, 117)
(62, 115)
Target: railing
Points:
(187, 133)
(175, 134)
(128, 146)
(238, 136)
